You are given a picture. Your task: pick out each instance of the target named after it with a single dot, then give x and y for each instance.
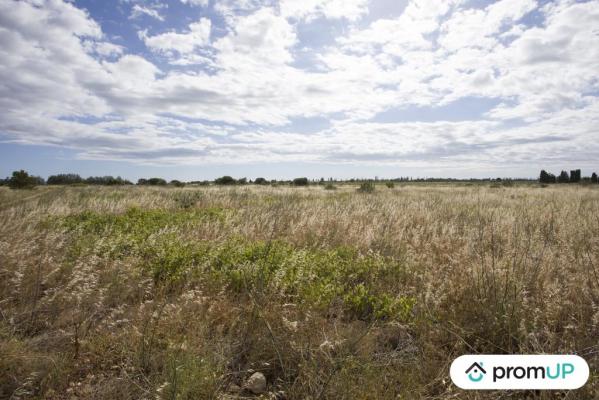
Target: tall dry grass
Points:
(142, 293)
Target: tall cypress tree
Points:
(563, 177)
(546, 177)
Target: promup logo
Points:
(505, 372)
(476, 372)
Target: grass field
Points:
(143, 293)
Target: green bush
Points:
(225, 180)
(22, 180)
(300, 182)
(64, 179)
(177, 183)
(152, 182)
(390, 185)
(367, 187)
(108, 181)
(187, 199)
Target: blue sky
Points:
(195, 89)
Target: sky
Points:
(196, 89)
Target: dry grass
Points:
(141, 293)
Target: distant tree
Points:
(156, 182)
(22, 180)
(594, 178)
(64, 179)
(152, 182)
(575, 176)
(260, 181)
(242, 181)
(547, 177)
(200, 183)
(176, 183)
(563, 177)
(225, 180)
(300, 182)
(107, 180)
(4, 182)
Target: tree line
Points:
(22, 180)
(575, 176)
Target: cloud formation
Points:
(137, 11)
(243, 83)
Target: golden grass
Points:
(143, 293)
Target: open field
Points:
(147, 293)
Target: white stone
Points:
(256, 383)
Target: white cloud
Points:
(198, 35)
(408, 32)
(254, 81)
(137, 11)
(479, 27)
(202, 3)
(332, 9)
(231, 8)
(259, 38)
(103, 49)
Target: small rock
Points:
(256, 383)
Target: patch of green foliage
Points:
(121, 235)
(367, 187)
(190, 377)
(136, 221)
(366, 286)
(187, 199)
(318, 278)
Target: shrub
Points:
(177, 183)
(594, 178)
(225, 180)
(22, 180)
(200, 183)
(563, 177)
(152, 182)
(242, 181)
(187, 199)
(300, 182)
(390, 185)
(330, 186)
(547, 177)
(107, 181)
(367, 187)
(261, 181)
(64, 179)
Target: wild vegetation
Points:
(281, 292)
